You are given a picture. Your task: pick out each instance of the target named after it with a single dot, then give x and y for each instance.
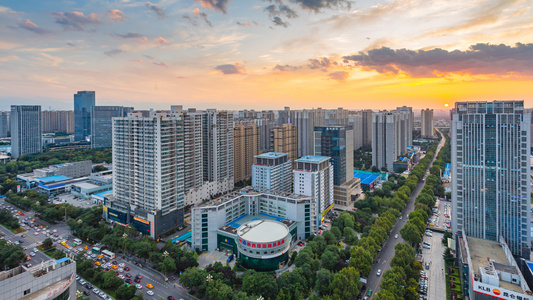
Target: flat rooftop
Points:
(262, 231)
(251, 191)
(53, 178)
(271, 155)
(234, 225)
(366, 178)
(313, 159)
(86, 185)
(481, 250)
(101, 194)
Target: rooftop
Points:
(251, 191)
(263, 231)
(101, 194)
(313, 159)
(53, 178)
(366, 178)
(271, 155)
(86, 185)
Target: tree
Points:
(260, 284)
(193, 277)
(111, 281)
(168, 265)
(411, 234)
(323, 282)
(126, 292)
(448, 256)
(100, 168)
(361, 259)
(329, 237)
(330, 258)
(50, 214)
(47, 243)
(346, 284)
(218, 290)
(337, 232)
(10, 255)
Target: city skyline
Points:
(266, 54)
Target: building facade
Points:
(102, 124)
(272, 171)
(367, 127)
(491, 191)
(304, 120)
(384, 140)
(4, 124)
(336, 141)
(54, 121)
(355, 119)
(284, 139)
(148, 177)
(83, 104)
(246, 147)
(427, 123)
(25, 130)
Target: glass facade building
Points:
(336, 142)
(83, 104)
(102, 124)
(490, 166)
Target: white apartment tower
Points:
(384, 140)
(272, 171)
(25, 130)
(148, 176)
(427, 123)
(313, 176)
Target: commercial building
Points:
(313, 176)
(54, 121)
(96, 183)
(272, 171)
(148, 187)
(246, 146)
(489, 270)
(25, 130)
(4, 124)
(284, 139)
(367, 179)
(491, 192)
(83, 104)
(53, 279)
(102, 124)
(257, 227)
(73, 169)
(427, 123)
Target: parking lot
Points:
(73, 200)
(433, 265)
(441, 217)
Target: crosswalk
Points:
(31, 246)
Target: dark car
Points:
(126, 268)
(137, 280)
(89, 286)
(139, 276)
(21, 241)
(115, 262)
(128, 280)
(86, 293)
(171, 298)
(128, 275)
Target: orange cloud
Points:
(116, 15)
(161, 41)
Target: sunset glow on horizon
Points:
(266, 54)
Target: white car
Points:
(150, 293)
(35, 250)
(96, 291)
(396, 236)
(138, 286)
(32, 254)
(121, 276)
(122, 265)
(102, 295)
(378, 272)
(36, 233)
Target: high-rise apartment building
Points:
(4, 124)
(405, 128)
(54, 121)
(366, 129)
(355, 119)
(25, 130)
(265, 126)
(313, 176)
(83, 103)
(246, 146)
(272, 171)
(491, 189)
(304, 120)
(284, 139)
(148, 175)
(102, 124)
(284, 116)
(336, 142)
(384, 140)
(427, 123)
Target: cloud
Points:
(196, 16)
(279, 22)
(322, 63)
(249, 24)
(479, 59)
(229, 69)
(160, 64)
(318, 6)
(339, 75)
(75, 20)
(217, 5)
(116, 15)
(113, 52)
(140, 61)
(159, 11)
(132, 35)
(9, 58)
(285, 68)
(30, 26)
(161, 41)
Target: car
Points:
(117, 273)
(115, 262)
(77, 277)
(122, 265)
(300, 243)
(82, 281)
(128, 280)
(139, 276)
(17, 242)
(102, 294)
(401, 217)
(55, 230)
(114, 267)
(128, 275)
(369, 293)
(96, 291)
(126, 269)
(93, 255)
(36, 233)
(121, 276)
(22, 236)
(28, 265)
(86, 293)
(120, 270)
(56, 235)
(32, 254)
(138, 280)
(378, 272)
(138, 286)
(149, 286)
(126, 284)
(150, 293)
(396, 236)
(89, 286)
(171, 298)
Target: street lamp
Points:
(124, 235)
(260, 298)
(165, 254)
(209, 278)
(79, 221)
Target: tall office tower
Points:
(58, 121)
(272, 171)
(427, 123)
(313, 176)
(284, 116)
(246, 147)
(218, 149)
(284, 139)
(355, 119)
(83, 103)
(265, 126)
(366, 129)
(384, 140)
(336, 141)
(304, 120)
(491, 190)
(25, 130)
(4, 121)
(102, 124)
(148, 176)
(407, 135)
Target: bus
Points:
(108, 254)
(77, 242)
(96, 250)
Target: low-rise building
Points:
(345, 194)
(96, 183)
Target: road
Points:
(384, 257)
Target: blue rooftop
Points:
(103, 193)
(271, 155)
(313, 159)
(448, 166)
(366, 178)
(53, 178)
(62, 260)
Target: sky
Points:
(266, 54)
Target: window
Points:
(27, 292)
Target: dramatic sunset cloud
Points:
(75, 20)
(229, 69)
(116, 15)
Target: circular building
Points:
(263, 245)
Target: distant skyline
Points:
(266, 54)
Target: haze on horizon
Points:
(231, 54)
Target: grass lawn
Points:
(456, 280)
(18, 230)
